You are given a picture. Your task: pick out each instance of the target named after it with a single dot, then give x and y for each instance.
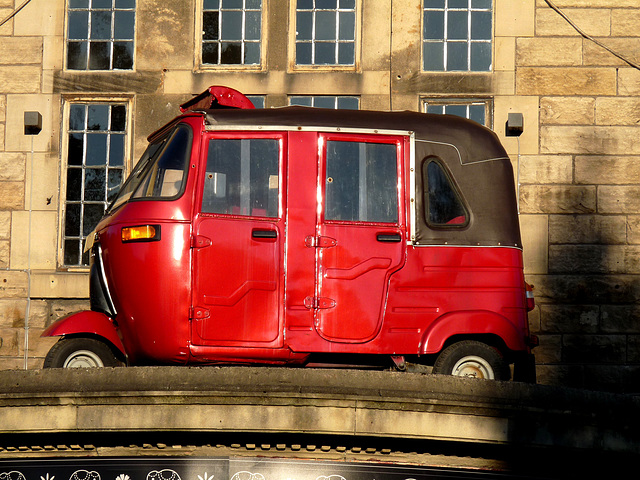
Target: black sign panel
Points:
(219, 469)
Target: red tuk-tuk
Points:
(303, 236)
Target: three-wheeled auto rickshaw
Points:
(303, 236)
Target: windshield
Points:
(161, 171)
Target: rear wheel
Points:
(81, 353)
(474, 359)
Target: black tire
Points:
(470, 358)
(81, 352)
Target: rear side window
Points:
(361, 182)
(443, 206)
(242, 177)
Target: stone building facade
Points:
(134, 61)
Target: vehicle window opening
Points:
(361, 182)
(167, 173)
(136, 176)
(443, 207)
(242, 177)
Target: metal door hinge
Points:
(319, 302)
(198, 313)
(319, 241)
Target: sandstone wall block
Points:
(590, 229)
(557, 199)
(567, 110)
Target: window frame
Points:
(293, 64)
(468, 42)
(455, 189)
(110, 41)
(279, 136)
(425, 102)
(199, 28)
(67, 101)
(394, 140)
(336, 99)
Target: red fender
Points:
(86, 321)
(475, 322)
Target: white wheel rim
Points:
(83, 359)
(472, 366)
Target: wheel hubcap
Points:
(83, 359)
(475, 367)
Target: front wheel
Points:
(474, 359)
(81, 353)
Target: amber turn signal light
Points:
(141, 233)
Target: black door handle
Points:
(264, 234)
(389, 237)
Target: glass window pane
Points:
(100, 25)
(480, 57)
(231, 53)
(75, 153)
(457, 56)
(125, 3)
(433, 27)
(253, 4)
(96, 149)
(93, 213)
(94, 184)
(101, 4)
(458, 110)
(99, 56)
(477, 114)
(442, 205)
(481, 4)
(231, 26)
(325, 26)
(361, 182)
(76, 117)
(433, 4)
(251, 53)
(123, 27)
(302, 101)
(303, 53)
(98, 117)
(304, 26)
(71, 252)
(114, 182)
(458, 3)
(72, 220)
(346, 54)
(210, 26)
(210, 53)
(77, 55)
(123, 55)
(304, 4)
(252, 26)
(74, 184)
(437, 109)
(232, 4)
(433, 54)
(457, 26)
(481, 25)
(348, 103)
(325, 102)
(116, 150)
(78, 28)
(347, 26)
(118, 118)
(211, 4)
(326, 4)
(325, 54)
(78, 3)
(347, 4)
